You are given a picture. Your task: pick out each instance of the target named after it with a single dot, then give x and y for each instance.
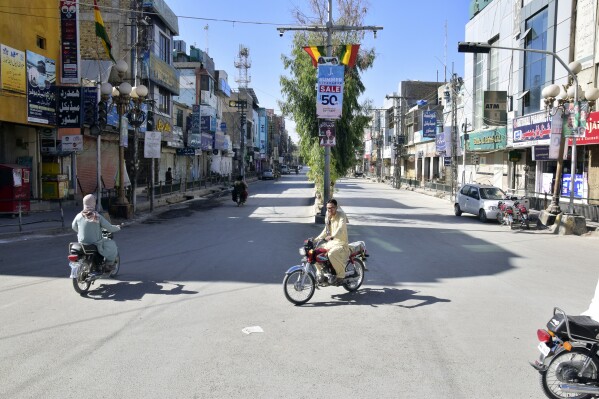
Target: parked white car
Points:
(284, 169)
(479, 199)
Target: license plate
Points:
(74, 268)
(544, 349)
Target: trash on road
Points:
(253, 329)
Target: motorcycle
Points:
(513, 210)
(506, 213)
(569, 360)
(523, 216)
(239, 199)
(87, 265)
(316, 271)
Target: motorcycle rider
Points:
(240, 188)
(89, 224)
(335, 235)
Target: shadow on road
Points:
(134, 291)
(375, 297)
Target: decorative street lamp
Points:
(121, 99)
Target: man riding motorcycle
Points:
(335, 235)
(240, 188)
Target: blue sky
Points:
(414, 44)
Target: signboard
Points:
(72, 143)
(556, 135)
(328, 60)
(152, 144)
(69, 43)
(89, 98)
(533, 129)
(195, 119)
(495, 108)
(447, 161)
(576, 119)
(329, 98)
(186, 151)
(488, 140)
(326, 133)
(429, 124)
(592, 131)
(68, 111)
(12, 65)
(41, 89)
(206, 141)
(207, 124)
(194, 140)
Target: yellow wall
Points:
(21, 22)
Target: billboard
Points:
(329, 98)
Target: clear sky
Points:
(418, 39)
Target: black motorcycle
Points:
(569, 361)
(87, 265)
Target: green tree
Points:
(299, 90)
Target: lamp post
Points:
(136, 117)
(399, 136)
(121, 99)
(476, 47)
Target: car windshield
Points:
(492, 193)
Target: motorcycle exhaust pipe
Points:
(579, 388)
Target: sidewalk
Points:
(55, 217)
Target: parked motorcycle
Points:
(523, 216)
(569, 360)
(316, 271)
(506, 213)
(87, 265)
(512, 211)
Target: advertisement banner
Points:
(207, 124)
(41, 89)
(207, 141)
(488, 140)
(262, 136)
(152, 144)
(326, 133)
(329, 98)
(68, 111)
(576, 119)
(194, 140)
(219, 141)
(72, 143)
(556, 135)
(429, 124)
(533, 129)
(12, 65)
(69, 34)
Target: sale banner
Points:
(329, 98)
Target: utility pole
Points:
(399, 136)
(329, 28)
(243, 63)
(455, 85)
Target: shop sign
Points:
(194, 140)
(207, 141)
(188, 151)
(41, 89)
(495, 112)
(578, 185)
(72, 143)
(219, 141)
(69, 34)
(429, 124)
(532, 129)
(592, 131)
(12, 65)
(164, 126)
(69, 107)
(161, 73)
(488, 140)
(195, 119)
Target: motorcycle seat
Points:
(85, 248)
(583, 327)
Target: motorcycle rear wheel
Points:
(295, 292)
(550, 381)
(79, 283)
(356, 282)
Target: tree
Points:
(299, 90)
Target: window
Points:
(165, 49)
(164, 101)
(179, 118)
(494, 70)
(535, 64)
(41, 42)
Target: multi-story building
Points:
(508, 124)
(31, 69)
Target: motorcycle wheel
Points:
(79, 283)
(568, 362)
(117, 267)
(294, 291)
(355, 282)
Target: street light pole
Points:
(399, 135)
(329, 28)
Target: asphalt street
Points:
(449, 308)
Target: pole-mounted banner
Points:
(329, 98)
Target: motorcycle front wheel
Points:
(299, 287)
(355, 282)
(80, 283)
(564, 368)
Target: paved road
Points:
(449, 309)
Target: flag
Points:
(315, 53)
(349, 55)
(101, 31)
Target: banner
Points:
(533, 129)
(556, 134)
(12, 65)
(429, 124)
(326, 133)
(68, 109)
(41, 89)
(329, 98)
(152, 145)
(69, 44)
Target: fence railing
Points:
(23, 206)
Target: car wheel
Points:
(482, 215)
(457, 210)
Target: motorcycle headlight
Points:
(302, 251)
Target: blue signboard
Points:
(195, 119)
(429, 124)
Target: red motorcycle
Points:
(511, 211)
